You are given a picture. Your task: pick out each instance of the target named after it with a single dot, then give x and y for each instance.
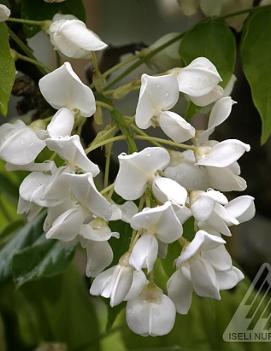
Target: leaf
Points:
(24, 237)
(256, 60)
(56, 309)
(40, 10)
(7, 70)
(45, 258)
(121, 245)
(214, 40)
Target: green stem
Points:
(143, 59)
(31, 60)
(104, 142)
(119, 65)
(107, 189)
(166, 142)
(26, 21)
(140, 132)
(104, 105)
(108, 150)
(98, 79)
(242, 12)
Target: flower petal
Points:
(137, 169)
(209, 98)
(63, 88)
(61, 124)
(156, 94)
(175, 127)
(144, 253)
(139, 281)
(219, 258)
(71, 150)
(225, 153)
(99, 256)
(166, 189)
(198, 78)
(19, 144)
(242, 208)
(84, 190)
(229, 279)
(154, 317)
(224, 179)
(180, 291)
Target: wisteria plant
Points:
(128, 222)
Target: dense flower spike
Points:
(171, 186)
(72, 38)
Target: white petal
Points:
(242, 208)
(96, 230)
(188, 175)
(217, 223)
(73, 39)
(125, 211)
(137, 169)
(46, 166)
(219, 113)
(153, 317)
(63, 88)
(4, 13)
(19, 144)
(101, 281)
(224, 153)
(156, 94)
(219, 258)
(229, 279)
(180, 291)
(224, 179)
(71, 150)
(198, 78)
(61, 124)
(56, 211)
(175, 127)
(144, 253)
(85, 191)
(67, 225)
(139, 281)
(203, 278)
(166, 189)
(182, 212)
(208, 98)
(161, 221)
(202, 207)
(99, 256)
(201, 242)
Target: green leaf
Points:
(256, 60)
(45, 258)
(40, 10)
(23, 238)
(214, 40)
(7, 70)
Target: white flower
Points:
(85, 192)
(222, 154)
(204, 266)
(166, 189)
(158, 223)
(199, 78)
(119, 282)
(19, 144)
(63, 88)
(47, 190)
(94, 238)
(71, 150)
(4, 13)
(72, 38)
(158, 95)
(66, 227)
(138, 169)
(151, 313)
(208, 98)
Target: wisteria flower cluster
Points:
(162, 186)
